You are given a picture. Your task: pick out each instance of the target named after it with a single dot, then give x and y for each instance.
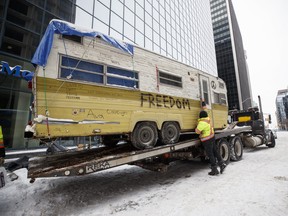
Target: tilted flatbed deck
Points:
(83, 162)
(89, 161)
(233, 131)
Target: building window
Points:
(79, 70)
(116, 23)
(169, 79)
(102, 12)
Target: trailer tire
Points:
(169, 133)
(144, 135)
(236, 148)
(224, 150)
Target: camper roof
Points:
(65, 28)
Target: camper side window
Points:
(75, 69)
(80, 70)
(169, 79)
(219, 98)
(121, 77)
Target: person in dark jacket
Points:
(207, 137)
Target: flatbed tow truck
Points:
(86, 84)
(76, 163)
(246, 129)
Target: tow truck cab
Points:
(251, 117)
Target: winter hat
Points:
(203, 114)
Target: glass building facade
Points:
(181, 30)
(22, 25)
(230, 54)
(282, 109)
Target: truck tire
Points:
(169, 133)
(272, 141)
(144, 135)
(236, 148)
(224, 150)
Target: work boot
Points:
(214, 171)
(222, 167)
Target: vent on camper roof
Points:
(74, 38)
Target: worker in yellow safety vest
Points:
(2, 147)
(207, 137)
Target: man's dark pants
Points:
(212, 152)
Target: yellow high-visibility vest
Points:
(207, 131)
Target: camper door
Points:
(204, 90)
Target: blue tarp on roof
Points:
(61, 27)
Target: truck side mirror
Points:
(269, 119)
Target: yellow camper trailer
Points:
(89, 84)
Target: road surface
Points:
(256, 185)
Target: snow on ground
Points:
(256, 185)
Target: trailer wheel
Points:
(272, 141)
(144, 135)
(169, 133)
(224, 150)
(236, 147)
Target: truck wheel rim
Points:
(224, 152)
(237, 148)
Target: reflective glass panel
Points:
(116, 22)
(86, 5)
(117, 7)
(102, 12)
(129, 31)
(129, 16)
